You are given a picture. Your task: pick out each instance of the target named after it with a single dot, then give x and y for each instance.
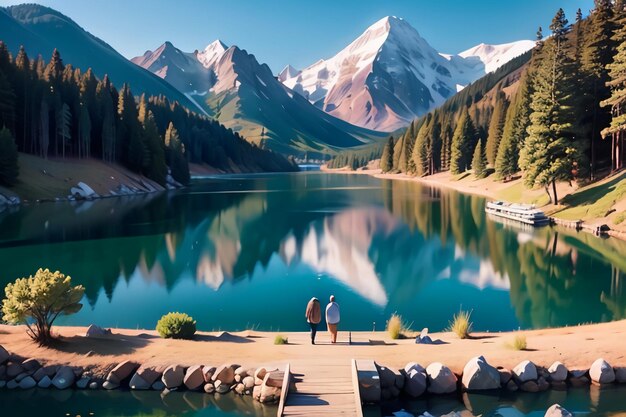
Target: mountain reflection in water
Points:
(379, 246)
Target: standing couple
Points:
(314, 316)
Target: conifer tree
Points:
(479, 161)
(496, 125)
(175, 155)
(596, 54)
(421, 149)
(463, 141)
(617, 101)
(386, 160)
(549, 153)
(514, 130)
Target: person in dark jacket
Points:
(313, 316)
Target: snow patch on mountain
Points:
(390, 74)
(494, 56)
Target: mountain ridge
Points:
(390, 75)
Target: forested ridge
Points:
(554, 114)
(51, 109)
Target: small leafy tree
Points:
(38, 300)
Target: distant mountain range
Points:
(231, 85)
(379, 83)
(390, 75)
(42, 29)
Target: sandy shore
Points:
(577, 347)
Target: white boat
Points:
(524, 213)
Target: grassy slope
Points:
(42, 179)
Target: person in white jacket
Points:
(333, 317)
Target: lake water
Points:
(239, 252)
(28, 403)
(593, 401)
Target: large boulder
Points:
(414, 365)
(416, 382)
(525, 371)
(207, 372)
(31, 365)
(83, 382)
(13, 370)
(558, 372)
(225, 374)
(45, 382)
(97, 331)
(479, 375)
(64, 378)
(122, 372)
(441, 380)
(173, 376)
(194, 379)
(4, 355)
(272, 387)
(557, 411)
(145, 377)
(28, 383)
(248, 382)
(601, 372)
(620, 375)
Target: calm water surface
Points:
(55, 403)
(588, 402)
(240, 252)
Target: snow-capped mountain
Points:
(390, 74)
(494, 56)
(245, 96)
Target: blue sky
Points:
(280, 32)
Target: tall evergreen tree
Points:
(514, 131)
(422, 148)
(596, 54)
(463, 142)
(386, 160)
(617, 101)
(479, 161)
(496, 125)
(175, 155)
(549, 152)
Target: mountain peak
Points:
(287, 73)
(211, 53)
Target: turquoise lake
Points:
(249, 251)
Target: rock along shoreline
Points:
(263, 384)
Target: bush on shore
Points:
(176, 326)
(461, 324)
(396, 327)
(280, 340)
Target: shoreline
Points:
(577, 347)
(491, 189)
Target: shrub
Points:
(176, 326)
(38, 300)
(519, 342)
(461, 324)
(396, 327)
(280, 340)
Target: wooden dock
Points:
(325, 386)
